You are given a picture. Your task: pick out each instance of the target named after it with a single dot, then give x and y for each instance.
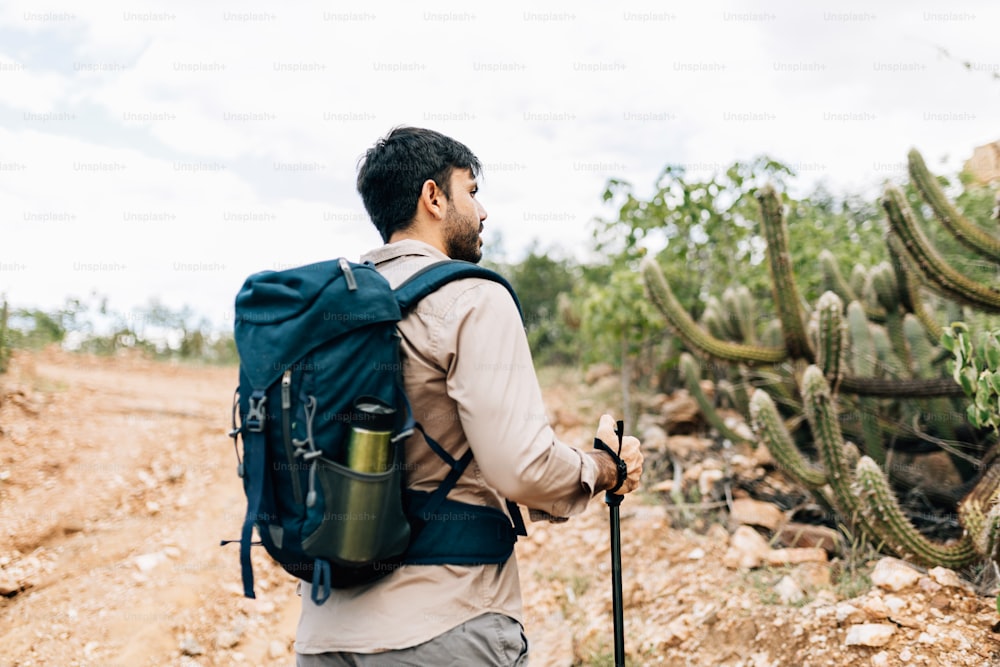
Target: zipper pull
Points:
(345, 266)
(286, 390)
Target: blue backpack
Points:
(315, 342)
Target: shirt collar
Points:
(404, 248)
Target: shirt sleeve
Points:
(491, 378)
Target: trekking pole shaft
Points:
(613, 502)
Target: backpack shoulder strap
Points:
(416, 287)
(434, 276)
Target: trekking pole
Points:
(613, 500)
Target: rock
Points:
(934, 473)
(875, 608)
(666, 486)
(894, 574)
(793, 556)
(227, 638)
(813, 576)
(789, 591)
(947, 578)
(147, 562)
(846, 612)
(679, 630)
(707, 480)
(680, 409)
(598, 371)
(895, 604)
(794, 534)
(747, 549)
(870, 634)
(683, 446)
(654, 439)
(276, 649)
(762, 455)
(8, 585)
(190, 646)
(696, 554)
(756, 513)
(880, 659)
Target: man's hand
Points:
(607, 473)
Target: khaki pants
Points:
(490, 640)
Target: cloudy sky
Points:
(170, 149)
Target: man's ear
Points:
(433, 199)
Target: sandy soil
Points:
(117, 483)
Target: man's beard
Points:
(462, 239)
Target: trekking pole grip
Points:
(621, 469)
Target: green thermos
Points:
(369, 448)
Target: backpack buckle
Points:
(255, 414)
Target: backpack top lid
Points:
(283, 315)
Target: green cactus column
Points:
(783, 288)
(694, 336)
(884, 515)
(966, 232)
(691, 372)
(773, 433)
(939, 274)
(834, 454)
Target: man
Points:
(471, 383)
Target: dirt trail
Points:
(117, 482)
(118, 490)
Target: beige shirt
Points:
(471, 383)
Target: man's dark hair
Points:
(393, 171)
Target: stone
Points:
(276, 649)
(707, 480)
(756, 513)
(880, 659)
(227, 638)
(654, 438)
(696, 554)
(845, 612)
(947, 578)
(813, 576)
(598, 371)
(793, 556)
(147, 562)
(190, 646)
(684, 446)
(680, 409)
(894, 575)
(875, 608)
(8, 585)
(789, 591)
(870, 634)
(747, 549)
(795, 534)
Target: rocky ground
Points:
(117, 483)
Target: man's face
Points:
(463, 221)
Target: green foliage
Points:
(976, 368)
(540, 280)
(91, 327)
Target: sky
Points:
(168, 150)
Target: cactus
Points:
(783, 287)
(939, 274)
(887, 521)
(876, 358)
(966, 232)
(772, 431)
(694, 335)
(691, 373)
